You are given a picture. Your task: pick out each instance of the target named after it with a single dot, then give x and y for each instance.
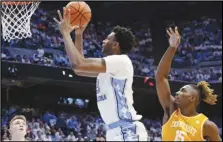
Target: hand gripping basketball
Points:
(64, 23)
(79, 30)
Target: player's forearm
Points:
(165, 63)
(79, 43)
(74, 55)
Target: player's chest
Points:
(183, 129)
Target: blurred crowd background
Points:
(200, 50)
(199, 57)
(46, 125)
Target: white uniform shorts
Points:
(132, 131)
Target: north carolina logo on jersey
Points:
(101, 98)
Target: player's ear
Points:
(192, 98)
(116, 44)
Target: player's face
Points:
(109, 44)
(18, 127)
(184, 97)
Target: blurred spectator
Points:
(39, 130)
(201, 46)
(40, 52)
(100, 138)
(71, 137)
(79, 137)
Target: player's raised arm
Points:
(78, 62)
(162, 84)
(78, 43)
(79, 38)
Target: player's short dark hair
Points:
(125, 37)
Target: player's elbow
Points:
(77, 71)
(76, 66)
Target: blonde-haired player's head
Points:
(17, 128)
(190, 96)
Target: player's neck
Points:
(188, 112)
(112, 54)
(17, 138)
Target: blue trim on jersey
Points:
(119, 124)
(128, 109)
(116, 100)
(123, 135)
(127, 128)
(129, 132)
(122, 107)
(136, 133)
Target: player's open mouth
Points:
(21, 129)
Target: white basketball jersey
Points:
(114, 90)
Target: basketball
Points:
(80, 13)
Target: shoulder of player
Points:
(118, 59)
(122, 56)
(169, 113)
(209, 128)
(125, 58)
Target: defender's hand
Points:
(175, 37)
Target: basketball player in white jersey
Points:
(114, 79)
(17, 128)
